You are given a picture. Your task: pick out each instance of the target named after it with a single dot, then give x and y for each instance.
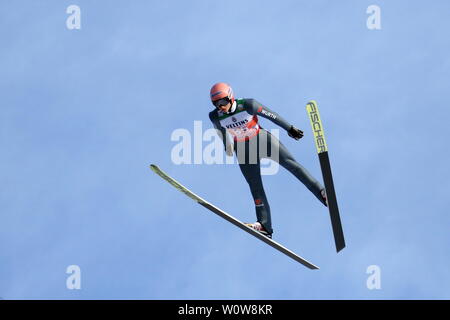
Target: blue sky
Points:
(84, 112)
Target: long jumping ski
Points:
(230, 218)
(322, 150)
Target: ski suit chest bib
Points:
(241, 125)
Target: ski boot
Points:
(258, 227)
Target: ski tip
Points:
(154, 168)
(313, 102)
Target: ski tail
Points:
(332, 201)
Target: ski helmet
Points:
(221, 90)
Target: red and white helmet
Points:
(221, 90)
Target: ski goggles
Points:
(221, 102)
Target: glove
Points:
(295, 133)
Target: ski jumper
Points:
(249, 139)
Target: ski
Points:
(322, 150)
(230, 218)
